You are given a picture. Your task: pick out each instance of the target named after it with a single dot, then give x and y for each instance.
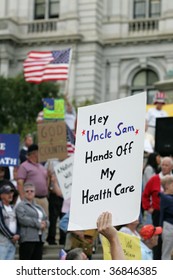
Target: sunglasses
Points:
(27, 191)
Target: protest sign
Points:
(52, 140)
(107, 172)
(130, 244)
(53, 108)
(64, 172)
(9, 149)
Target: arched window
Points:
(144, 81)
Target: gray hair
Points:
(28, 185)
(74, 254)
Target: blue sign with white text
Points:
(9, 149)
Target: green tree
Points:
(20, 102)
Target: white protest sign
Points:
(64, 173)
(108, 161)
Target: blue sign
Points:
(9, 149)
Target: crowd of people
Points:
(31, 204)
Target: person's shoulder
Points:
(154, 177)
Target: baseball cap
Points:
(148, 231)
(32, 148)
(6, 189)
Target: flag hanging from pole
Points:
(47, 66)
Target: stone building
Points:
(120, 47)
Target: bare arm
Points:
(56, 188)
(20, 183)
(104, 226)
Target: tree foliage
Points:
(20, 102)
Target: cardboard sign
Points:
(64, 173)
(130, 244)
(9, 149)
(53, 108)
(107, 172)
(52, 140)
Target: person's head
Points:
(150, 234)
(166, 165)
(6, 194)
(28, 140)
(159, 100)
(29, 191)
(2, 172)
(154, 160)
(76, 254)
(32, 153)
(167, 184)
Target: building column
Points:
(4, 67)
(114, 80)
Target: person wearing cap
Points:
(5, 181)
(156, 112)
(8, 224)
(34, 172)
(149, 235)
(166, 217)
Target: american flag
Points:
(47, 66)
(70, 141)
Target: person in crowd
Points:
(156, 112)
(166, 216)
(70, 115)
(149, 143)
(131, 228)
(151, 200)
(149, 235)
(33, 223)
(5, 181)
(104, 227)
(55, 206)
(28, 141)
(151, 168)
(76, 254)
(8, 224)
(34, 172)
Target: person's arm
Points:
(146, 195)
(20, 183)
(56, 188)
(104, 226)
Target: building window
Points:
(53, 8)
(39, 9)
(139, 8)
(144, 81)
(146, 8)
(45, 9)
(154, 8)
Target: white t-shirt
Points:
(152, 114)
(12, 223)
